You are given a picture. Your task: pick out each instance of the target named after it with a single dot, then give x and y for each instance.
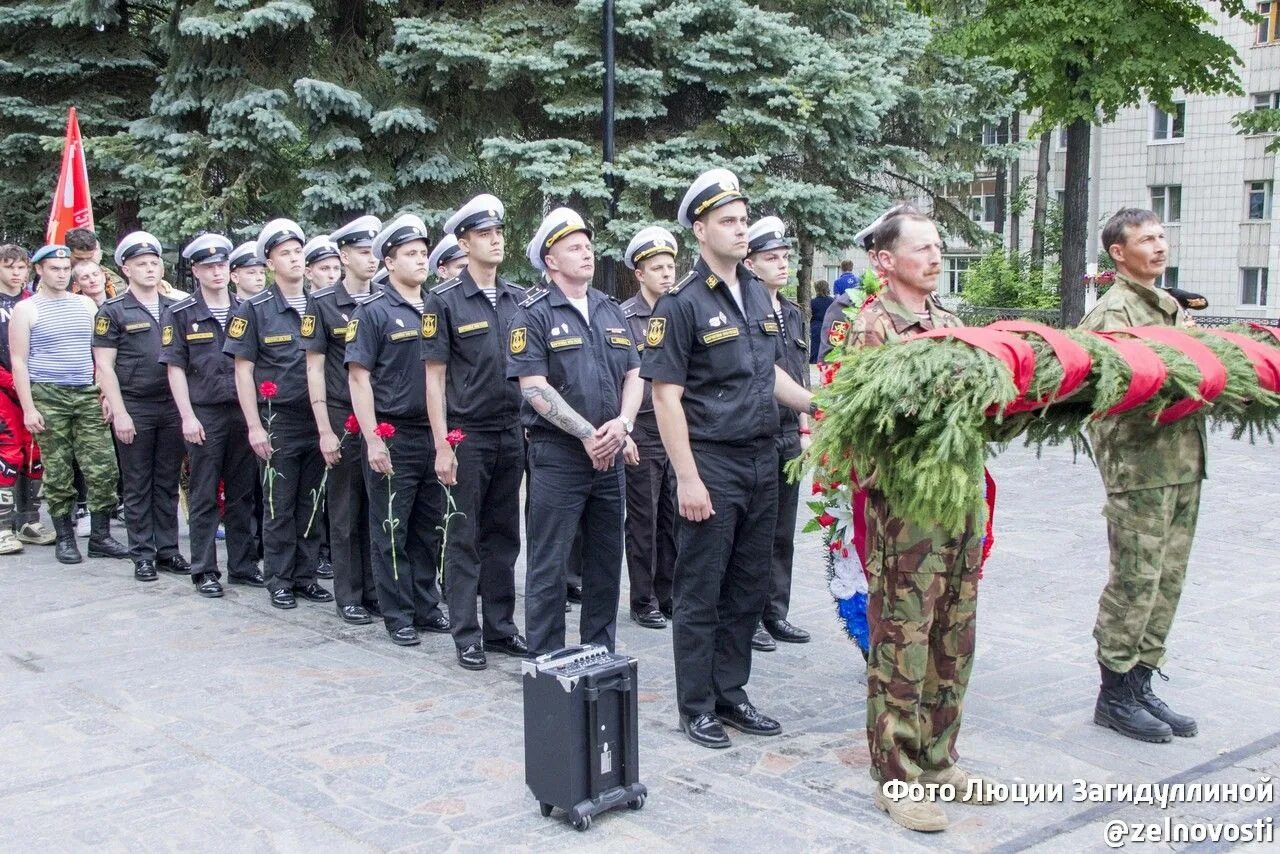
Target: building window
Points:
(1061, 133)
(957, 269)
(982, 208)
(1167, 203)
(1168, 126)
(1168, 279)
(1258, 200)
(1266, 101)
(1269, 25)
(997, 134)
(1253, 285)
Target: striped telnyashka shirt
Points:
(61, 340)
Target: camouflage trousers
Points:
(74, 431)
(1150, 533)
(922, 611)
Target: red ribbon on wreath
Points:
(1265, 360)
(1076, 362)
(1213, 374)
(1147, 372)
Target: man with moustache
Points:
(769, 258)
(262, 336)
(144, 417)
(650, 526)
(711, 350)
(203, 381)
(579, 374)
(465, 325)
(388, 381)
(324, 337)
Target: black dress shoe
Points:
(667, 611)
(313, 592)
(255, 579)
(744, 718)
(407, 636)
(762, 641)
(439, 625)
(177, 564)
(783, 632)
(574, 594)
(324, 570)
(209, 586)
(373, 608)
(472, 658)
(651, 619)
(144, 570)
(513, 646)
(283, 599)
(705, 731)
(356, 615)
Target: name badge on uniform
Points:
(727, 334)
(166, 335)
(237, 328)
(769, 326)
(473, 327)
(565, 343)
(137, 327)
(195, 337)
(404, 335)
(308, 325)
(620, 341)
(278, 339)
(338, 331)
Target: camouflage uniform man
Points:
(1152, 475)
(923, 594)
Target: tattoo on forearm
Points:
(557, 411)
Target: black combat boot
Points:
(65, 548)
(101, 543)
(1119, 709)
(1139, 678)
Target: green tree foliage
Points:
(1005, 280)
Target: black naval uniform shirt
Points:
(795, 358)
(385, 337)
(724, 357)
(637, 312)
(265, 329)
(461, 328)
(324, 330)
(584, 362)
(192, 340)
(126, 326)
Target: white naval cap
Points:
(318, 248)
(558, 224)
(137, 243)
(484, 211)
(766, 233)
(380, 279)
(648, 242)
(207, 249)
(246, 255)
(403, 229)
(359, 232)
(866, 237)
(446, 250)
(276, 232)
(711, 190)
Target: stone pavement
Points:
(142, 717)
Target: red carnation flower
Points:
(817, 488)
(455, 437)
(384, 430)
(268, 389)
(353, 424)
(835, 545)
(826, 520)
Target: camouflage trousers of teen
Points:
(74, 431)
(922, 611)
(1150, 533)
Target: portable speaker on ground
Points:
(581, 750)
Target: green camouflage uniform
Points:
(74, 429)
(921, 608)
(1152, 475)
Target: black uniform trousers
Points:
(347, 506)
(289, 552)
(485, 542)
(784, 533)
(413, 500)
(565, 492)
(721, 577)
(651, 510)
(225, 456)
(149, 467)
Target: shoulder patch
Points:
(308, 325)
(446, 285)
(237, 327)
(520, 290)
(628, 310)
(534, 296)
(656, 332)
(519, 340)
(259, 299)
(101, 326)
(323, 292)
(181, 304)
(351, 329)
(675, 289)
(166, 335)
(379, 295)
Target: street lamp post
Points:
(608, 271)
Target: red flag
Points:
(71, 205)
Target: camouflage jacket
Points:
(1132, 451)
(886, 320)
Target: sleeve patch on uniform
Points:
(166, 335)
(656, 332)
(518, 339)
(839, 330)
(238, 327)
(308, 326)
(101, 327)
(351, 330)
(430, 323)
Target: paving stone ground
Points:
(143, 718)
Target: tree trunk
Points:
(1041, 208)
(1075, 223)
(1002, 183)
(1015, 183)
(804, 275)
